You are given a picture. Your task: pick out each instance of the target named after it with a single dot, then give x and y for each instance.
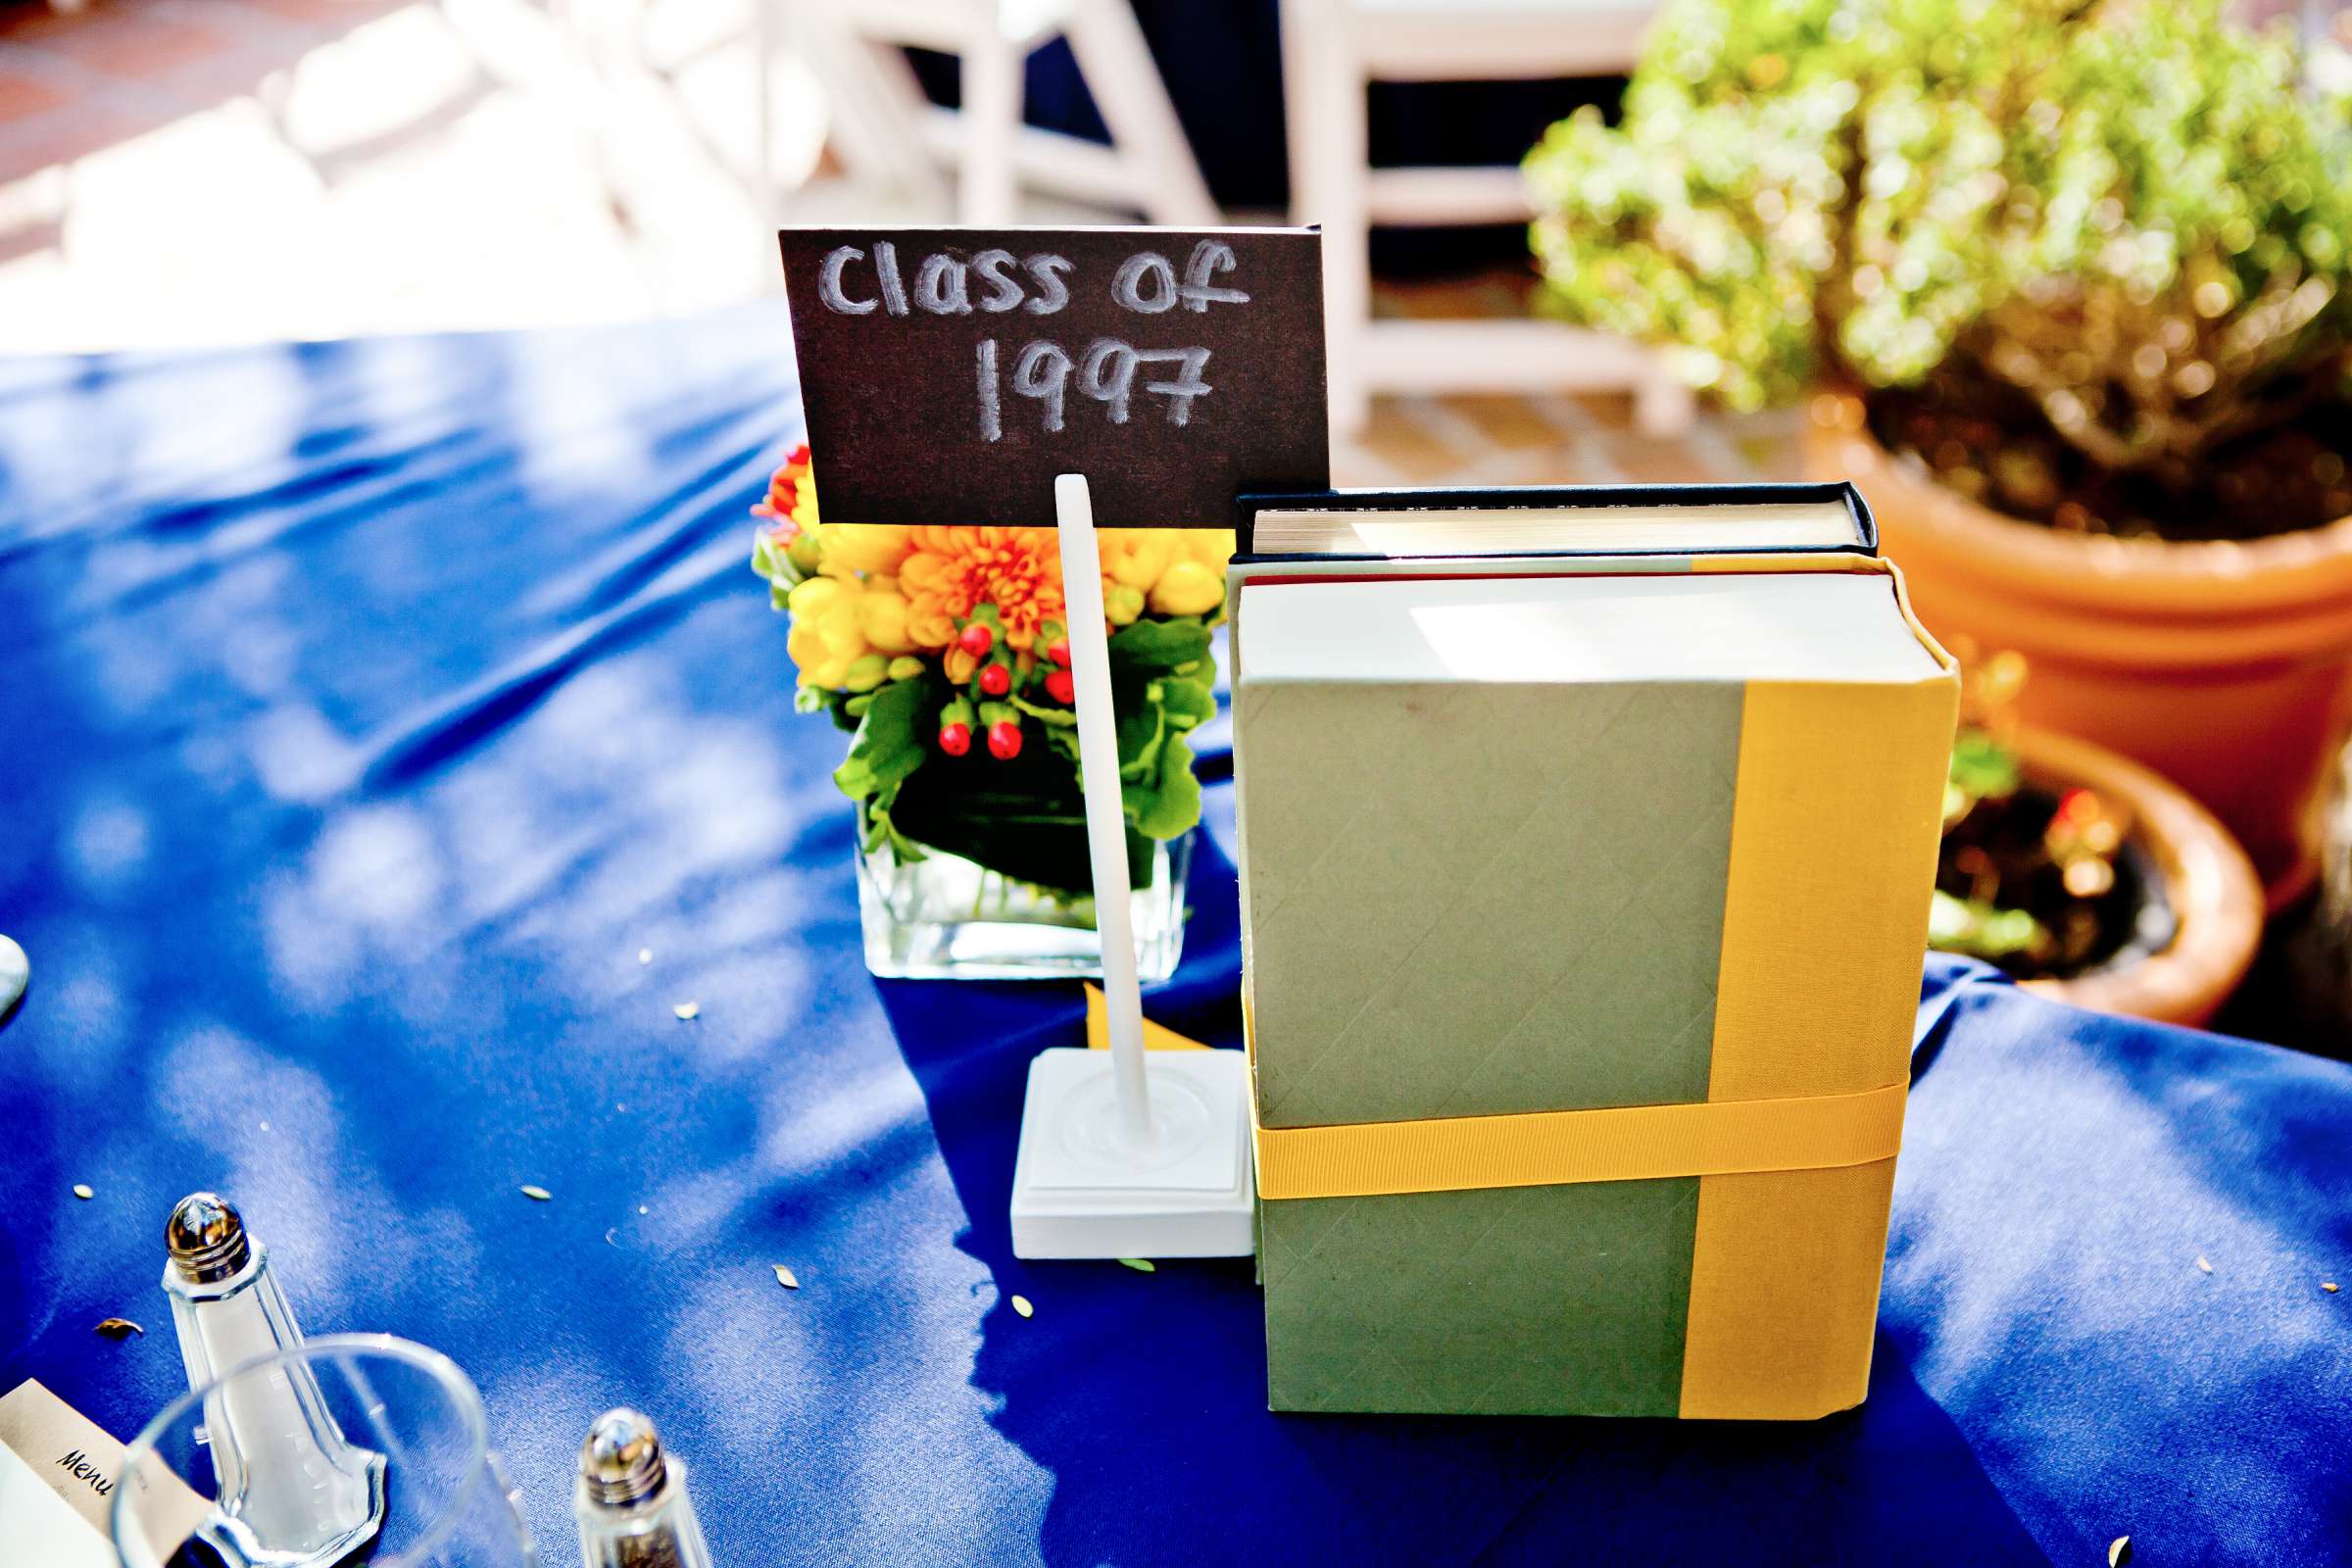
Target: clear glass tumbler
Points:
(257, 1468)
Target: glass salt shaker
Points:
(292, 1490)
(631, 1500)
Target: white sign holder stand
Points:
(1120, 1157)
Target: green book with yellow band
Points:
(1587, 846)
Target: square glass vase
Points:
(944, 917)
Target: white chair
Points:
(1332, 50)
(889, 130)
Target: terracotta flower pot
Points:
(2216, 901)
(2225, 666)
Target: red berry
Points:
(994, 679)
(1059, 652)
(1003, 740)
(977, 640)
(955, 739)
(1060, 686)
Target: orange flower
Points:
(791, 497)
(950, 572)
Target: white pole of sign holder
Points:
(1123, 1154)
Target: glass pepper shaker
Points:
(631, 1500)
(290, 1485)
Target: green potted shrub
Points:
(2066, 289)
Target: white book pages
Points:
(1733, 627)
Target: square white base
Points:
(1078, 1192)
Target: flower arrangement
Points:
(2088, 258)
(946, 652)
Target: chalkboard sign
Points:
(950, 373)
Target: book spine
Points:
(1833, 853)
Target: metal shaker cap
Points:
(206, 1237)
(621, 1461)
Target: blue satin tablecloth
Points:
(366, 708)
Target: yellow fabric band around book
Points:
(1550, 1148)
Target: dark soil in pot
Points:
(1992, 443)
(1999, 854)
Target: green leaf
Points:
(889, 745)
(1057, 717)
(1170, 805)
(882, 832)
(1983, 768)
(1190, 699)
(1979, 929)
(835, 705)
(1141, 729)
(775, 565)
(1141, 1265)
(1152, 646)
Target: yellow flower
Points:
(825, 639)
(820, 598)
(1187, 588)
(1121, 604)
(882, 615)
(869, 548)
(1136, 556)
(1211, 547)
